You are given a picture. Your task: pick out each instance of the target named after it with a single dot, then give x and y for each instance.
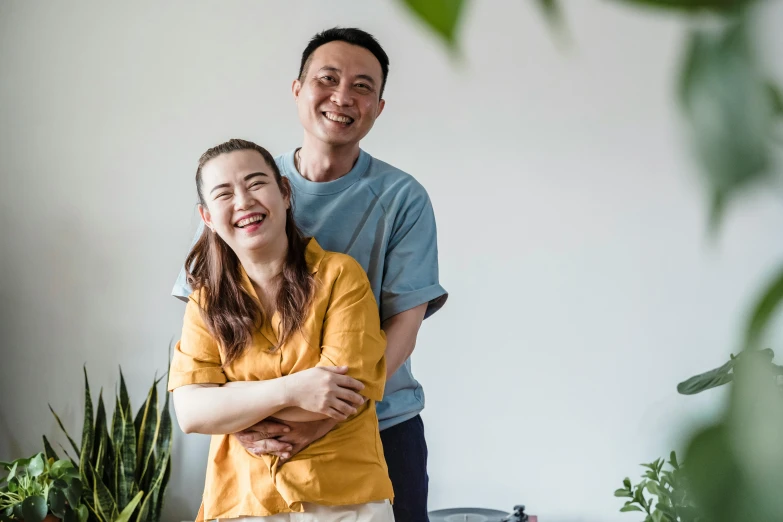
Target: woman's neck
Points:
(263, 269)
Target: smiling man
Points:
(356, 204)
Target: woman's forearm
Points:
(296, 414)
(218, 410)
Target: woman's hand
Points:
(325, 390)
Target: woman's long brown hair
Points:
(229, 311)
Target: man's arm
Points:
(401, 332)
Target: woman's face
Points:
(244, 204)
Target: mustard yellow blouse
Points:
(346, 466)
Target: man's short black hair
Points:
(349, 35)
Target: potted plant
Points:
(669, 499)
(38, 489)
(123, 461)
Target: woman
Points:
(277, 327)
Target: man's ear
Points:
(296, 88)
(381, 105)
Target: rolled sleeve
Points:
(411, 264)
(352, 334)
(196, 356)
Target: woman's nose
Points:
(242, 200)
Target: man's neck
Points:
(319, 162)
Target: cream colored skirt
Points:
(370, 512)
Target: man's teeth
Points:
(247, 221)
(338, 118)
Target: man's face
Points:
(338, 97)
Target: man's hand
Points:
(273, 437)
(262, 438)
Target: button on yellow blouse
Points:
(344, 467)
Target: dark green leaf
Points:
(104, 502)
(82, 513)
(85, 463)
(57, 502)
(673, 460)
(147, 428)
(101, 437)
(623, 493)
(74, 491)
(764, 310)
(34, 509)
(627, 483)
(777, 98)
(441, 16)
(161, 493)
(48, 450)
(60, 423)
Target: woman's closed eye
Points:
(256, 184)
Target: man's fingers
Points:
(268, 446)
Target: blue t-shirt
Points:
(383, 218)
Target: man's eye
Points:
(328, 79)
(223, 195)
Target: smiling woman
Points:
(277, 328)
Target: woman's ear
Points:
(206, 217)
(285, 186)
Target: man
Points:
(353, 203)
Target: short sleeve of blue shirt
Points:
(411, 267)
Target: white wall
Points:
(571, 220)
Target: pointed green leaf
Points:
(34, 509)
(101, 437)
(128, 511)
(623, 493)
(161, 493)
(48, 450)
(673, 460)
(441, 16)
(147, 428)
(85, 463)
(104, 502)
(60, 423)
